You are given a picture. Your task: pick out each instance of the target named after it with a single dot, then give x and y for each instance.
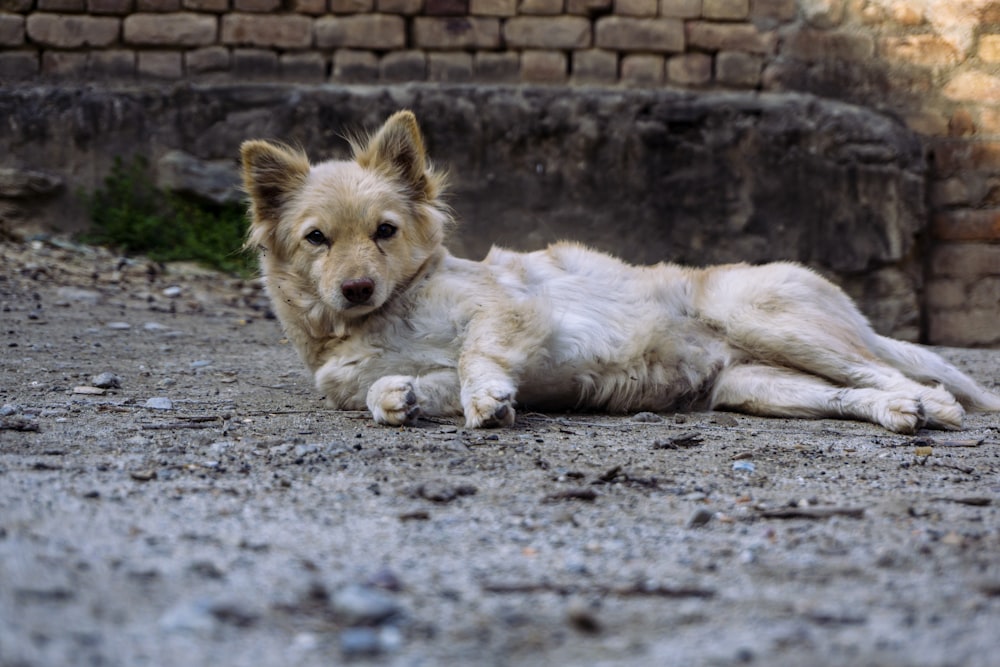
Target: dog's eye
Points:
(316, 237)
(385, 231)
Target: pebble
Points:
(153, 326)
(119, 326)
(106, 381)
(77, 295)
(8, 409)
(744, 466)
(358, 642)
(647, 418)
(159, 403)
(363, 605)
(201, 363)
(92, 391)
(700, 517)
(172, 292)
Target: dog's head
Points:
(346, 233)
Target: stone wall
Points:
(935, 64)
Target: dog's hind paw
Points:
(900, 413)
(393, 400)
(943, 410)
(490, 407)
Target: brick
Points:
(11, 30)
(214, 6)
(362, 31)
(446, 7)
(206, 60)
(823, 14)
(157, 5)
(970, 86)
(950, 192)
(58, 64)
(112, 64)
(588, 7)
(961, 124)
(728, 37)
(642, 70)
(403, 66)
(680, 9)
(256, 5)
(630, 34)
(964, 328)
(118, 7)
(540, 7)
(160, 64)
(302, 67)
(965, 260)
(71, 31)
(945, 293)
(403, 7)
(725, 10)
(311, 7)
(62, 5)
(967, 225)
(254, 64)
(449, 67)
(989, 48)
(543, 67)
(18, 65)
(17, 6)
(286, 31)
(561, 32)
(354, 66)
(493, 7)
(819, 45)
(178, 29)
(594, 66)
(497, 67)
(985, 293)
(927, 122)
(690, 69)
(642, 8)
(920, 50)
(351, 6)
(735, 68)
(774, 11)
(456, 33)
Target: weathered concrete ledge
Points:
(650, 175)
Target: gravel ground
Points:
(201, 506)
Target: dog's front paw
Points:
(901, 412)
(942, 410)
(490, 406)
(393, 400)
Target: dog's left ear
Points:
(397, 150)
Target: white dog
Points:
(385, 317)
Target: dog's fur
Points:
(385, 317)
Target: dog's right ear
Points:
(272, 174)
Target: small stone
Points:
(154, 326)
(356, 642)
(647, 418)
(159, 403)
(172, 292)
(106, 381)
(363, 605)
(8, 409)
(744, 466)
(201, 363)
(700, 517)
(194, 617)
(119, 326)
(91, 391)
(143, 475)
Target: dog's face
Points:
(347, 234)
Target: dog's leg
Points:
(930, 368)
(400, 399)
(769, 391)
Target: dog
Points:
(385, 318)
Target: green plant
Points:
(132, 214)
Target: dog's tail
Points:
(929, 368)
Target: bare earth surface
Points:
(210, 510)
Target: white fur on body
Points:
(561, 328)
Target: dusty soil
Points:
(211, 510)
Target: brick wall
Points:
(933, 63)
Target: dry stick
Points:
(813, 512)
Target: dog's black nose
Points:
(358, 290)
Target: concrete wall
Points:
(935, 64)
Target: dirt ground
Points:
(202, 507)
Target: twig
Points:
(812, 512)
